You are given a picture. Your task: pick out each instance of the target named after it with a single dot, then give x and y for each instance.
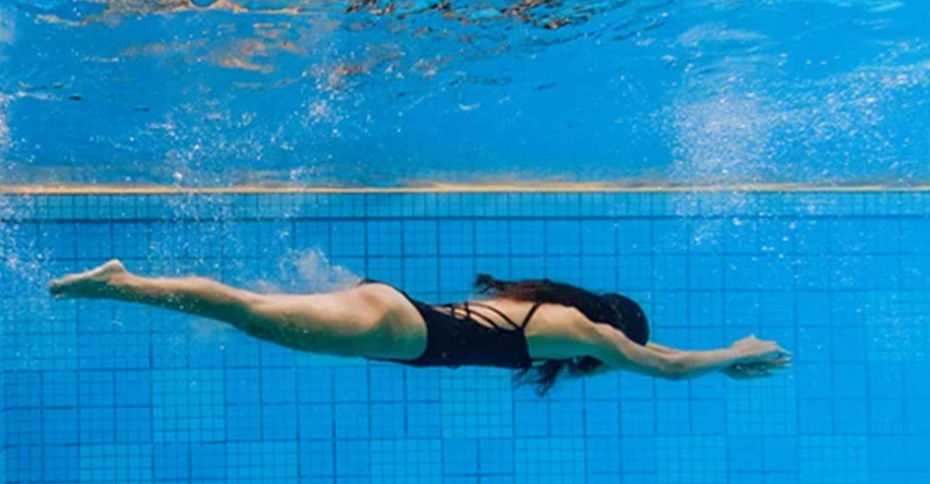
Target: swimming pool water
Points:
(377, 93)
(101, 392)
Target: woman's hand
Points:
(755, 350)
(757, 359)
(747, 371)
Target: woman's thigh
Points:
(373, 320)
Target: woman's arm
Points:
(617, 351)
(736, 371)
(662, 349)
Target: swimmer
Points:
(544, 330)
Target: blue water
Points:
(103, 392)
(729, 91)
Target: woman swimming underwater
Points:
(544, 329)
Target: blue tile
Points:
(279, 385)
(317, 459)
(853, 342)
(97, 425)
(848, 381)
(447, 479)
(818, 379)
(314, 385)
(812, 236)
(602, 419)
(421, 276)
(24, 463)
(352, 420)
(60, 426)
(279, 422)
(456, 237)
(705, 272)
(602, 387)
(422, 384)
(19, 388)
(350, 384)
(638, 417)
(887, 417)
(634, 237)
(563, 237)
(885, 453)
(208, 461)
(527, 237)
(528, 418)
(566, 418)
(674, 417)
(316, 421)
(812, 272)
(915, 453)
(133, 388)
(915, 236)
(243, 422)
(668, 236)
(420, 237)
(597, 237)
(133, 424)
(816, 417)
(745, 453)
(638, 455)
(708, 417)
(914, 374)
(384, 238)
(456, 277)
(459, 456)
(348, 238)
(705, 310)
(814, 345)
(780, 454)
(602, 456)
(61, 463)
(387, 420)
(670, 272)
(917, 421)
(352, 458)
(497, 456)
(241, 386)
(743, 272)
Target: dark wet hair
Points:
(616, 310)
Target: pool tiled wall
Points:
(104, 392)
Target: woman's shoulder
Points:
(557, 319)
(558, 332)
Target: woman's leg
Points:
(356, 322)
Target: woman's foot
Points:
(95, 283)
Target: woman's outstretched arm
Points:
(736, 371)
(617, 351)
(666, 350)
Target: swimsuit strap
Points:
(526, 320)
(485, 318)
(471, 315)
(497, 311)
(530, 314)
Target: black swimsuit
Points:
(454, 337)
